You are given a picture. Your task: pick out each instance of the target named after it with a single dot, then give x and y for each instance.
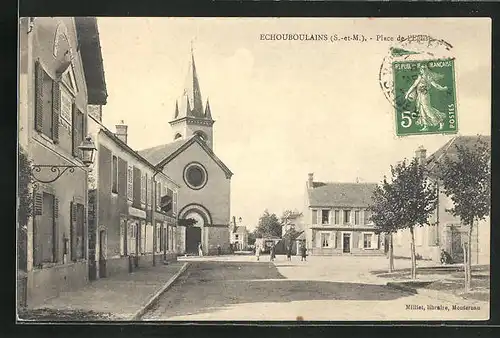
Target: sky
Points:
(284, 109)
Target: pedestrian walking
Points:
(257, 252)
(303, 253)
(289, 252)
(200, 251)
(219, 250)
(272, 252)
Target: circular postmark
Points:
(411, 48)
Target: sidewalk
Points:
(118, 297)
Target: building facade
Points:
(447, 233)
(61, 73)
(204, 179)
(239, 236)
(338, 222)
(124, 189)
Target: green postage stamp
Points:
(425, 97)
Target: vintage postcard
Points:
(254, 169)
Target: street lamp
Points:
(88, 150)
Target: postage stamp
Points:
(425, 97)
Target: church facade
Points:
(205, 180)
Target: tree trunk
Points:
(413, 257)
(467, 258)
(391, 253)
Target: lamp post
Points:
(88, 154)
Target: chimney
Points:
(421, 154)
(121, 131)
(310, 179)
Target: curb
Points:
(431, 294)
(158, 293)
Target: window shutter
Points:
(38, 96)
(38, 203)
(56, 110)
(74, 131)
(72, 230)
(315, 217)
(333, 238)
(374, 241)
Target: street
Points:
(240, 288)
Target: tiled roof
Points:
(163, 154)
(157, 154)
(341, 194)
(450, 149)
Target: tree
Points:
(24, 207)
(384, 213)
(251, 238)
(467, 181)
(415, 198)
(269, 225)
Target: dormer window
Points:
(177, 136)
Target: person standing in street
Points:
(257, 252)
(303, 252)
(289, 252)
(200, 251)
(272, 252)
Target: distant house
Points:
(337, 220)
(447, 233)
(238, 236)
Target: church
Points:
(204, 179)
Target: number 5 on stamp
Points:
(425, 98)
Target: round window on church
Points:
(195, 176)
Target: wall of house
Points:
(336, 245)
(38, 45)
(114, 207)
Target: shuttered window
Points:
(77, 212)
(143, 188)
(130, 183)
(45, 239)
(174, 204)
(148, 191)
(356, 217)
(158, 195)
(114, 175)
(78, 130)
(47, 104)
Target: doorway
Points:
(457, 253)
(102, 253)
(346, 243)
(193, 237)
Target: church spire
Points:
(191, 104)
(208, 113)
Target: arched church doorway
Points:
(194, 232)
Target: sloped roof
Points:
(90, 50)
(450, 148)
(157, 154)
(241, 229)
(131, 151)
(341, 194)
(163, 154)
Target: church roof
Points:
(190, 103)
(340, 194)
(163, 154)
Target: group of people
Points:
(289, 249)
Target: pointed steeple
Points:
(191, 102)
(208, 113)
(176, 114)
